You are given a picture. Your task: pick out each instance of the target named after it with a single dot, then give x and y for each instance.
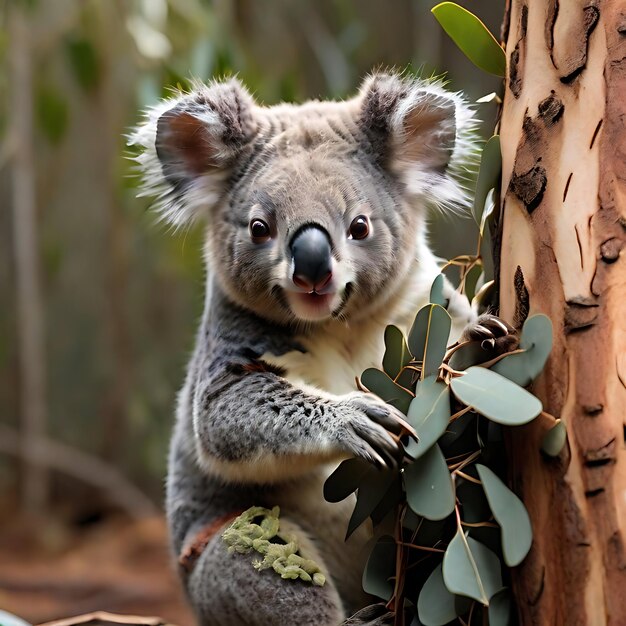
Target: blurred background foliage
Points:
(120, 295)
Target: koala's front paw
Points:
(493, 334)
(364, 429)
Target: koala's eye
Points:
(259, 231)
(360, 227)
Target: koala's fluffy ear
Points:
(190, 145)
(421, 133)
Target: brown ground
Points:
(48, 572)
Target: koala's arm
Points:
(194, 499)
(252, 425)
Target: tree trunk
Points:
(562, 227)
(32, 354)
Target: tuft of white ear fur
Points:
(430, 135)
(221, 118)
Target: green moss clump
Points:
(255, 529)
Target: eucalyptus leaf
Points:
(485, 296)
(468, 354)
(495, 397)
(436, 291)
(428, 337)
(436, 606)
(488, 212)
(471, 569)
(407, 379)
(397, 353)
(391, 498)
(536, 341)
(428, 485)
(471, 279)
(379, 383)
(345, 479)
(456, 428)
(472, 37)
(500, 608)
(372, 490)
(429, 414)
(490, 97)
(511, 514)
(488, 175)
(554, 440)
(381, 568)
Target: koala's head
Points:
(313, 211)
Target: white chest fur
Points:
(339, 351)
(334, 356)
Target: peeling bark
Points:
(562, 230)
(518, 56)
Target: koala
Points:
(316, 240)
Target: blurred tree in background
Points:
(117, 296)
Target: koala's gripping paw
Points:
(364, 429)
(492, 332)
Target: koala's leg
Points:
(226, 590)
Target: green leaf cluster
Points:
(452, 512)
(457, 525)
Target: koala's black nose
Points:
(312, 262)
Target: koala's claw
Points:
(365, 430)
(391, 419)
(492, 332)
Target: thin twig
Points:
(454, 347)
(471, 479)
(466, 271)
(480, 524)
(463, 455)
(493, 361)
(460, 413)
(422, 548)
(454, 373)
(457, 466)
(471, 612)
(458, 261)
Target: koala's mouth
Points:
(315, 306)
(312, 306)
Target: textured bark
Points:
(562, 228)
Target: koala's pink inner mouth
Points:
(311, 305)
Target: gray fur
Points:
(251, 429)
